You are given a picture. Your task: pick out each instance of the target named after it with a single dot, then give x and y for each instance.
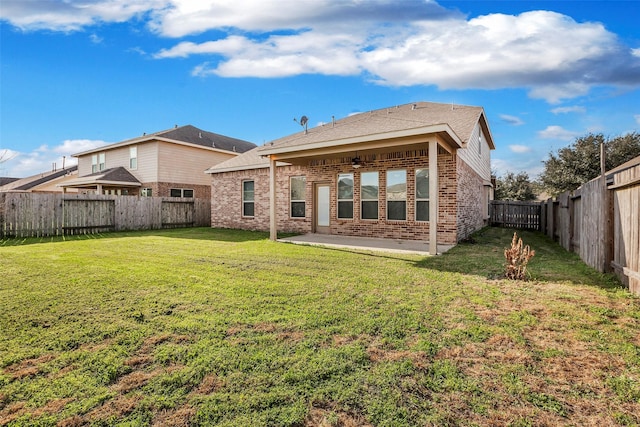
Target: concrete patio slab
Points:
(366, 243)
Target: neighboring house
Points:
(393, 173)
(47, 182)
(169, 163)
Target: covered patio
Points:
(399, 246)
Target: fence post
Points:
(3, 198)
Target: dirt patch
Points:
(209, 384)
(180, 417)
(52, 407)
(75, 421)
(28, 367)
(114, 408)
(139, 362)
(11, 412)
(292, 336)
(319, 417)
(134, 380)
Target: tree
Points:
(580, 162)
(6, 155)
(514, 187)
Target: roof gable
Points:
(184, 135)
(460, 119)
(24, 184)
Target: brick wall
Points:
(227, 204)
(471, 200)
(163, 189)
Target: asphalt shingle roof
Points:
(118, 174)
(197, 136)
(28, 183)
(187, 134)
(461, 118)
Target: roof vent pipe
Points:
(199, 134)
(414, 106)
(333, 121)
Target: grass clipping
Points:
(517, 256)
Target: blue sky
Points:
(79, 74)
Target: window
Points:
(97, 162)
(298, 190)
(422, 194)
(248, 204)
(397, 194)
(133, 157)
(181, 192)
(369, 195)
(145, 192)
(345, 195)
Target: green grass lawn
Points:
(219, 327)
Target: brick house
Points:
(170, 163)
(393, 173)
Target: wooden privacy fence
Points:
(508, 214)
(600, 221)
(39, 214)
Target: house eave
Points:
(346, 143)
(214, 170)
(90, 183)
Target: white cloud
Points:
(512, 120)
(96, 39)
(419, 43)
(519, 148)
(557, 132)
(43, 158)
(73, 16)
(533, 167)
(637, 117)
(573, 109)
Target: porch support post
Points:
(99, 189)
(433, 197)
(273, 232)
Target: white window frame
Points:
(102, 161)
(292, 200)
(94, 163)
(362, 198)
(252, 201)
(346, 174)
(421, 199)
(400, 200)
(146, 192)
(133, 157)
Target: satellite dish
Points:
(303, 122)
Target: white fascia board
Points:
(365, 138)
(213, 171)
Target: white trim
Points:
(100, 182)
(214, 169)
(415, 188)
